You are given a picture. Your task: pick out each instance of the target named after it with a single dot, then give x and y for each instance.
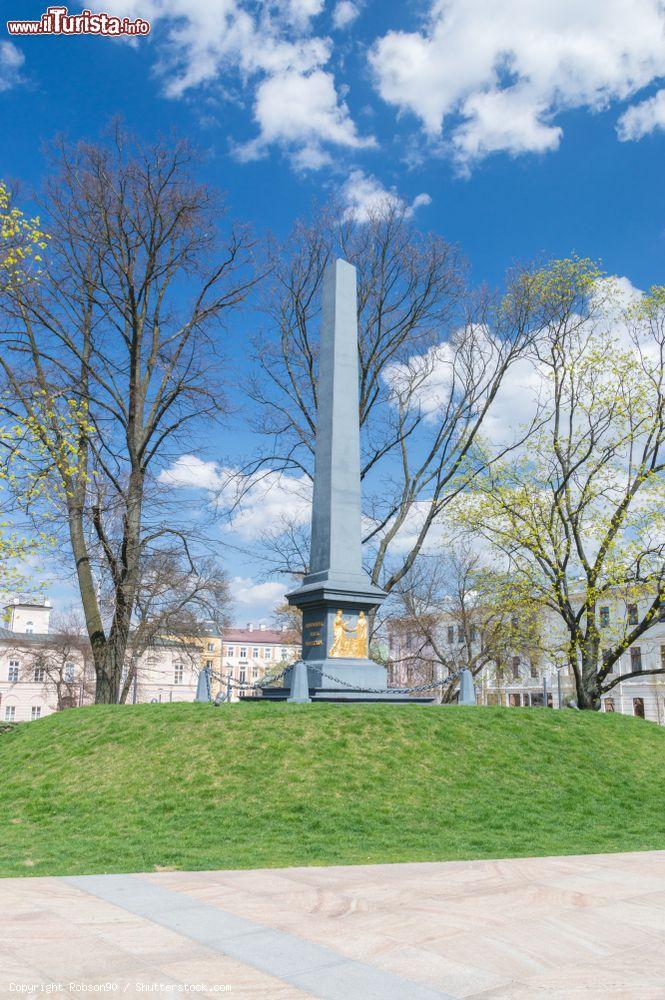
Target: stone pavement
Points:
(561, 928)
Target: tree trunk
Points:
(587, 683)
(129, 680)
(109, 672)
(106, 689)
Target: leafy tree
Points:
(579, 515)
(22, 242)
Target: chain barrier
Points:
(245, 685)
(231, 682)
(429, 686)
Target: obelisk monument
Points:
(337, 595)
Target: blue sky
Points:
(533, 129)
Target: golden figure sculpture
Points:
(344, 642)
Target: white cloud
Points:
(257, 503)
(504, 120)
(301, 12)
(302, 110)
(263, 596)
(269, 501)
(363, 194)
(189, 471)
(11, 61)
(496, 78)
(642, 118)
(344, 13)
(271, 52)
(526, 383)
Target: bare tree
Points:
(432, 358)
(62, 662)
(178, 600)
(455, 613)
(119, 329)
(289, 620)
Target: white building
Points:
(38, 674)
(522, 683)
(42, 672)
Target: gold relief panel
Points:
(349, 640)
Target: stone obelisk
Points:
(337, 596)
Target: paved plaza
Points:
(499, 930)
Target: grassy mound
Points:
(111, 789)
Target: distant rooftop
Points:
(28, 601)
(257, 636)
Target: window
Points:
(662, 656)
(451, 633)
(242, 674)
(178, 673)
(10, 713)
(460, 633)
(534, 672)
(604, 617)
(255, 652)
(211, 647)
(516, 668)
(255, 672)
(243, 652)
(608, 704)
(40, 674)
(285, 652)
(35, 712)
(631, 611)
(635, 657)
(473, 634)
(12, 673)
(29, 628)
(267, 653)
(661, 613)
(515, 699)
(638, 707)
(230, 650)
(69, 672)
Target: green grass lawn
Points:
(112, 789)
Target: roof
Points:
(15, 638)
(257, 636)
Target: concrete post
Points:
(203, 686)
(467, 691)
(299, 684)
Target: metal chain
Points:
(244, 686)
(429, 686)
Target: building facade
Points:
(39, 672)
(43, 672)
(253, 655)
(520, 681)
